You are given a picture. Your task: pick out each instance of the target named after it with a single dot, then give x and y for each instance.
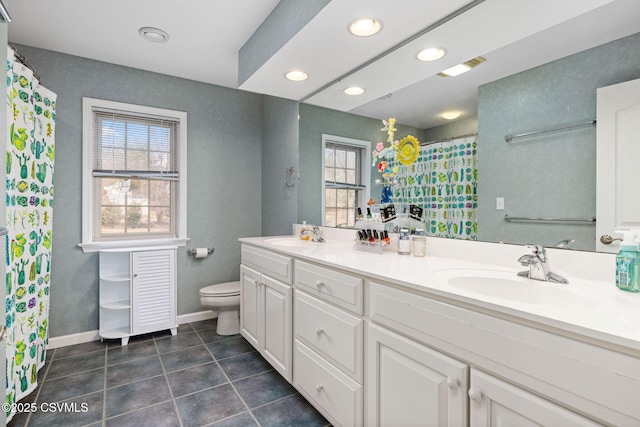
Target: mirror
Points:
(545, 175)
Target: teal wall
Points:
(314, 121)
(551, 175)
(224, 177)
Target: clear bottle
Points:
(404, 244)
(419, 243)
(627, 263)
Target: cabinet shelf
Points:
(116, 305)
(115, 333)
(116, 278)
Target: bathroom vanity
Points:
(454, 338)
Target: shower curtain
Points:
(443, 181)
(29, 165)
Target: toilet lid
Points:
(221, 289)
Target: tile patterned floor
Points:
(195, 378)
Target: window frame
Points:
(91, 202)
(365, 168)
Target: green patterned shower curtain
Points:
(30, 159)
(443, 181)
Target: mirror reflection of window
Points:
(344, 188)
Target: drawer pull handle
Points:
(475, 395)
(319, 387)
(319, 331)
(319, 284)
(452, 383)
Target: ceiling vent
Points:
(462, 68)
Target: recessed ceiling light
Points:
(430, 54)
(462, 68)
(296, 76)
(354, 90)
(450, 115)
(364, 27)
(153, 34)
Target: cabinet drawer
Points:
(334, 333)
(270, 263)
(339, 288)
(335, 395)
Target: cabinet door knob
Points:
(135, 274)
(452, 383)
(319, 331)
(319, 284)
(319, 387)
(257, 282)
(475, 395)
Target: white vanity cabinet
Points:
(495, 403)
(409, 384)
(137, 292)
(265, 305)
(328, 328)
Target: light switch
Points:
(500, 203)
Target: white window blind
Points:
(131, 145)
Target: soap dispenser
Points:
(628, 262)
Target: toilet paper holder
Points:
(194, 251)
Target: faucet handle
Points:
(539, 251)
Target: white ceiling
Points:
(206, 35)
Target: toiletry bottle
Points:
(627, 262)
(419, 243)
(359, 217)
(368, 213)
(404, 244)
(304, 233)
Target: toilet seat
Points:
(229, 289)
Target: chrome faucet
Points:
(314, 232)
(538, 264)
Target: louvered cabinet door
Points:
(153, 291)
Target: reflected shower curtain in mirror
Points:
(443, 181)
(30, 159)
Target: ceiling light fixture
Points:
(296, 76)
(365, 27)
(354, 90)
(450, 115)
(153, 34)
(462, 68)
(430, 54)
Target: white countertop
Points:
(589, 308)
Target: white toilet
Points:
(223, 298)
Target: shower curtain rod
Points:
(21, 59)
(448, 139)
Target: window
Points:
(346, 173)
(134, 175)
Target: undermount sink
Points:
(290, 242)
(507, 286)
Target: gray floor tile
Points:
(83, 348)
(178, 342)
(195, 379)
(133, 396)
(127, 353)
(64, 388)
(161, 415)
(135, 370)
(290, 411)
(182, 359)
(208, 406)
(74, 364)
(231, 347)
(244, 365)
(205, 324)
(263, 388)
(241, 420)
(79, 411)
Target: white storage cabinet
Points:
(137, 292)
(265, 308)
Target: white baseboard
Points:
(82, 337)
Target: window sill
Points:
(119, 244)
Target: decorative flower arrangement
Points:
(405, 151)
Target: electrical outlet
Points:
(500, 203)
